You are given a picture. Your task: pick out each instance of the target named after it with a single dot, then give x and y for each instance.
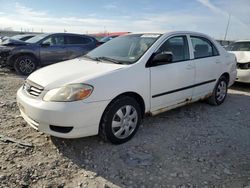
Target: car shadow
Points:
(241, 86)
(187, 144)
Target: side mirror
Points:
(162, 58)
(46, 44)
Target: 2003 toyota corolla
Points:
(108, 91)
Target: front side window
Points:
(203, 47)
(239, 46)
(54, 40)
(78, 40)
(178, 46)
(125, 49)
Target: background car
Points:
(241, 49)
(100, 36)
(107, 38)
(45, 49)
(22, 37)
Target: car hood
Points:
(242, 56)
(6, 48)
(73, 71)
(13, 42)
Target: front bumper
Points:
(84, 118)
(243, 75)
(4, 58)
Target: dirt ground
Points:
(190, 147)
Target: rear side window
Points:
(78, 40)
(178, 46)
(203, 47)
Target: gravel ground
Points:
(190, 147)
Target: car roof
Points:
(242, 41)
(72, 34)
(69, 34)
(24, 35)
(174, 33)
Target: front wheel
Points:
(120, 120)
(220, 92)
(25, 65)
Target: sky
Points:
(94, 16)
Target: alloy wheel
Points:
(27, 65)
(221, 91)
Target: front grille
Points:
(243, 65)
(32, 88)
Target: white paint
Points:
(110, 80)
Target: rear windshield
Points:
(239, 46)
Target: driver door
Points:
(53, 49)
(171, 83)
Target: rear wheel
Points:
(220, 92)
(25, 65)
(120, 120)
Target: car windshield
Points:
(239, 46)
(125, 49)
(17, 37)
(37, 38)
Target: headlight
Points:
(68, 93)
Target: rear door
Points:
(53, 49)
(79, 45)
(172, 83)
(208, 65)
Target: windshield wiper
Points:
(109, 59)
(103, 58)
(92, 58)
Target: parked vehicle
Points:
(45, 49)
(106, 39)
(108, 91)
(99, 36)
(22, 37)
(241, 49)
(2, 38)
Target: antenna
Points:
(228, 23)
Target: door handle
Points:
(217, 62)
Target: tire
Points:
(220, 92)
(25, 65)
(120, 120)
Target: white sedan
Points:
(241, 49)
(108, 91)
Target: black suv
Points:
(44, 49)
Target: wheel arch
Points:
(226, 74)
(135, 96)
(13, 58)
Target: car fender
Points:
(134, 78)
